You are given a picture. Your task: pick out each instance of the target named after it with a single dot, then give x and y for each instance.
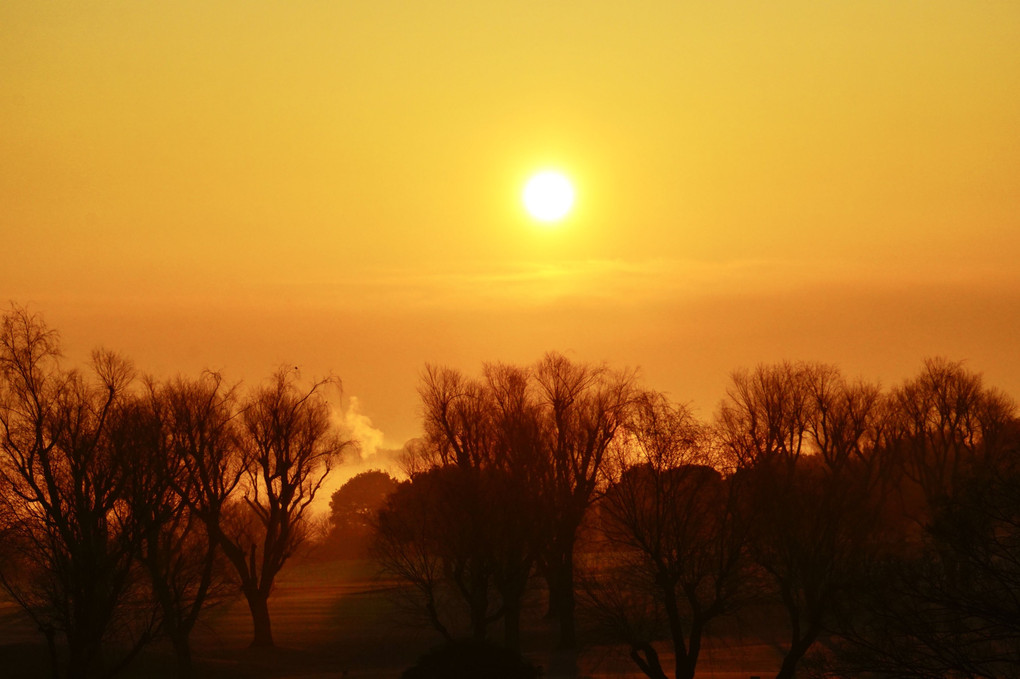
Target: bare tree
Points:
(764, 415)
(945, 602)
(946, 423)
(582, 407)
(521, 523)
(289, 444)
(477, 516)
(541, 436)
(64, 489)
(457, 418)
(805, 443)
(166, 433)
(676, 546)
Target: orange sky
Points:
(336, 185)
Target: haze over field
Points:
(337, 186)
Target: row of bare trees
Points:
(127, 506)
(879, 529)
(885, 524)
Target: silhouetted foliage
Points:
(352, 512)
(410, 543)
(451, 533)
(470, 660)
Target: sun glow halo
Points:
(548, 196)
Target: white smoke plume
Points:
(368, 453)
(359, 427)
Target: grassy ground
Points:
(335, 619)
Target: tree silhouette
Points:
(534, 440)
(352, 506)
(63, 484)
(582, 407)
(945, 602)
(513, 485)
(805, 445)
(435, 533)
(165, 434)
(352, 511)
(947, 423)
(408, 546)
(884, 524)
(676, 549)
(118, 503)
(472, 513)
(289, 444)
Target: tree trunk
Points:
(686, 666)
(258, 604)
(511, 591)
(647, 659)
(83, 656)
(182, 649)
(430, 609)
(685, 655)
(560, 581)
(479, 619)
(797, 651)
(553, 610)
(479, 604)
(51, 645)
(561, 597)
(512, 625)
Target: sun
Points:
(548, 196)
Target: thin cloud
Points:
(637, 283)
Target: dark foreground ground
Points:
(335, 619)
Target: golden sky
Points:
(336, 185)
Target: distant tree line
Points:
(128, 504)
(882, 526)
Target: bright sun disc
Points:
(548, 196)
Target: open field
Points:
(336, 619)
